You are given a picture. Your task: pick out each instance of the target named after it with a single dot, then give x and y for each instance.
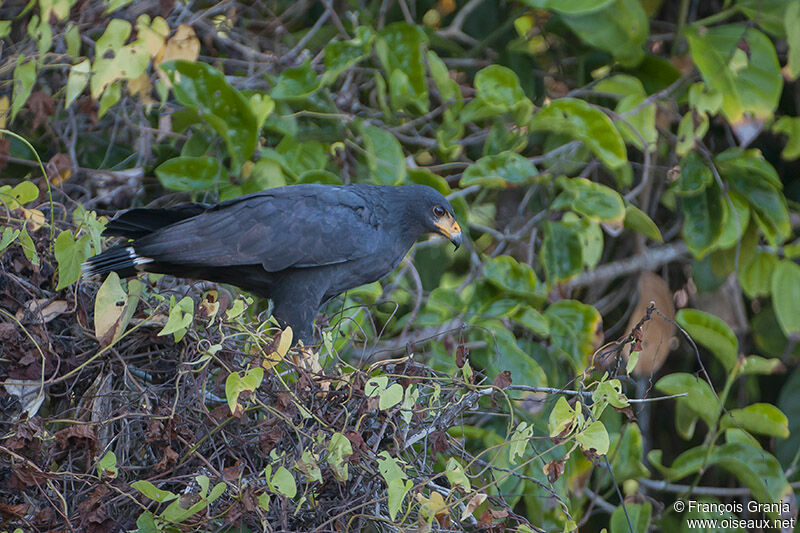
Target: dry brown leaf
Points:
(656, 332)
(474, 502)
(59, 168)
(183, 45)
(44, 310)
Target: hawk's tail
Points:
(121, 259)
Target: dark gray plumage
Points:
(299, 245)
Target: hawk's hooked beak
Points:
(448, 227)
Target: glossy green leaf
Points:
(594, 200)
(695, 175)
(755, 275)
(619, 28)
(400, 47)
(711, 332)
(757, 182)
(752, 87)
(562, 252)
(786, 296)
(637, 220)
(506, 169)
(704, 220)
(755, 468)
(579, 120)
(507, 355)
(570, 7)
(296, 84)
(341, 55)
(153, 492)
(756, 365)
(505, 273)
(700, 400)
(758, 418)
(189, 173)
(768, 14)
(498, 91)
(204, 88)
(530, 318)
(384, 156)
(573, 329)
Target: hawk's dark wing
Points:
(299, 226)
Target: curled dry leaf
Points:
(656, 332)
(43, 310)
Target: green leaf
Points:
(236, 384)
(573, 329)
(711, 332)
(789, 126)
(755, 276)
(637, 220)
(562, 418)
(20, 194)
(759, 418)
(339, 449)
(700, 400)
(115, 61)
(561, 252)
(695, 175)
(152, 492)
(786, 296)
(579, 120)
(110, 97)
(400, 47)
(792, 26)
(113, 308)
(498, 91)
(768, 14)
(627, 454)
(456, 475)
(619, 28)
(9, 235)
(107, 465)
(449, 91)
(296, 84)
(594, 200)
(760, 366)
(751, 88)
(506, 169)
(755, 468)
(594, 437)
(24, 79)
(341, 55)
(384, 156)
(180, 317)
(505, 273)
(530, 318)
(28, 247)
(757, 182)
(518, 441)
(70, 254)
(283, 483)
(639, 515)
(203, 88)
(185, 173)
(76, 81)
(570, 7)
(705, 215)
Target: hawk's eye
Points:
(438, 211)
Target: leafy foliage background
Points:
(618, 333)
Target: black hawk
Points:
(299, 245)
